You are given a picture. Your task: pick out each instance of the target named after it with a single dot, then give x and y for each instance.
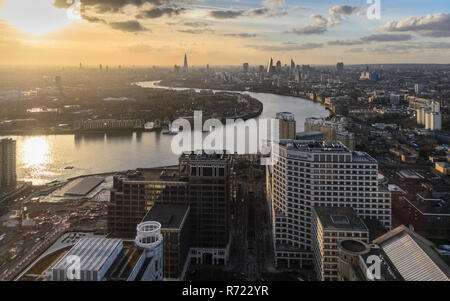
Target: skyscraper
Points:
(270, 67)
(8, 177)
(310, 173)
(340, 67)
(279, 66)
(186, 66)
(245, 67)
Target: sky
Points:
(216, 32)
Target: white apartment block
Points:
(309, 174)
(330, 226)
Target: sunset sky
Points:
(159, 32)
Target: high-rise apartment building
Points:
(309, 174)
(8, 177)
(287, 125)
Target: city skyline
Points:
(221, 32)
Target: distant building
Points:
(347, 138)
(245, 67)
(108, 124)
(185, 66)
(8, 176)
(340, 67)
(287, 125)
(270, 67)
(314, 135)
(279, 68)
(371, 76)
(329, 128)
(418, 88)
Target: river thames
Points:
(43, 158)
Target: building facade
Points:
(309, 174)
(8, 176)
(330, 226)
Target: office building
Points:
(340, 67)
(287, 125)
(8, 177)
(135, 192)
(308, 174)
(210, 184)
(175, 229)
(330, 226)
(204, 182)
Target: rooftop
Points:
(339, 218)
(414, 257)
(168, 215)
(85, 186)
(152, 174)
(93, 253)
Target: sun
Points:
(35, 17)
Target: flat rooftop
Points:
(168, 215)
(152, 175)
(93, 253)
(85, 186)
(339, 218)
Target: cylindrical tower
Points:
(349, 251)
(150, 240)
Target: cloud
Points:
(319, 26)
(158, 12)
(372, 38)
(103, 6)
(128, 26)
(226, 14)
(93, 19)
(287, 47)
(274, 4)
(272, 8)
(338, 12)
(241, 35)
(196, 31)
(196, 24)
(436, 25)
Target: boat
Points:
(169, 131)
